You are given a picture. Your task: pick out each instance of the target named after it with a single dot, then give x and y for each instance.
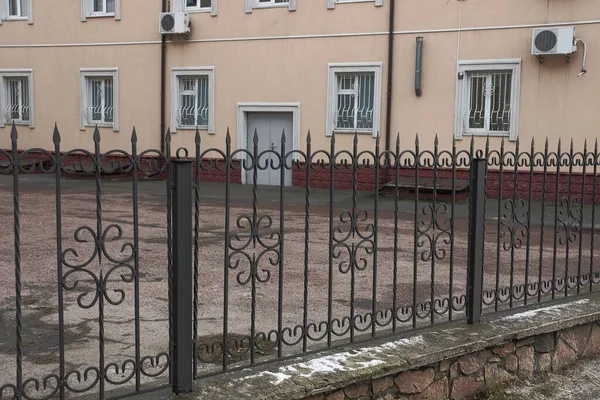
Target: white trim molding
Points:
(87, 11)
(359, 67)
(242, 123)
(176, 73)
(331, 3)
(255, 4)
(463, 95)
(17, 73)
(86, 73)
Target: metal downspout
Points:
(388, 112)
(163, 61)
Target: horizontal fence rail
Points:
(342, 246)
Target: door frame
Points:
(242, 128)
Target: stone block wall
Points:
(465, 376)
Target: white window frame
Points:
(180, 5)
(254, 4)
(463, 95)
(16, 73)
(354, 68)
(4, 7)
(193, 71)
(84, 75)
(331, 3)
(87, 11)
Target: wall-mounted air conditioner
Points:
(174, 23)
(547, 41)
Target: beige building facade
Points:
(298, 65)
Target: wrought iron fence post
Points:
(476, 239)
(182, 371)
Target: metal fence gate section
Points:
(129, 284)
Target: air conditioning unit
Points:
(548, 41)
(174, 23)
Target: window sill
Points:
(8, 19)
(20, 123)
(111, 126)
(281, 5)
(353, 1)
(197, 10)
(101, 15)
(352, 132)
(192, 128)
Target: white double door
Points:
(269, 127)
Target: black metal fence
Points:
(256, 274)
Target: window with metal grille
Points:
(193, 102)
(488, 95)
(99, 107)
(193, 98)
(99, 98)
(355, 101)
(354, 98)
(16, 104)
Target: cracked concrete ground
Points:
(40, 288)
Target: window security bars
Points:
(16, 107)
(355, 101)
(99, 101)
(489, 102)
(193, 102)
(279, 272)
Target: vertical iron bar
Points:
(593, 231)
(416, 232)
(476, 240)
(100, 245)
(500, 196)
(541, 261)
(354, 228)
(59, 265)
(568, 215)
(168, 160)
(306, 241)
(228, 162)
(330, 278)
(453, 205)
(375, 237)
(433, 216)
(395, 276)
(557, 183)
(281, 246)
(196, 246)
(254, 268)
(182, 274)
(530, 199)
(513, 232)
(136, 255)
(17, 243)
(580, 251)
